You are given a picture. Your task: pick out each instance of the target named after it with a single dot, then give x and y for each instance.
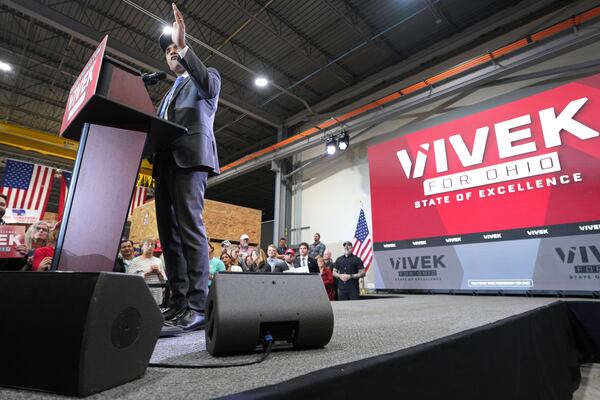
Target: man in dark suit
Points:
(304, 260)
(181, 171)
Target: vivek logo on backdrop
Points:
(585, 260)
(417, 266)
(507, 133)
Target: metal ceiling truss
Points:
(495, 69)
(129, 54)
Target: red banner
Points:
(84, 87)
(11, 236)
(532, 162)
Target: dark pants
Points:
(348, 294)
(179, 206)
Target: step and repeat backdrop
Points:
(504, 199)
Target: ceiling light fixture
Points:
(167, 29)
(261, 81)
(4, 66)
(343, 141)
(330, 147)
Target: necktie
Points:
(167, 101)
(304, 261)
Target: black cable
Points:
(268, 344)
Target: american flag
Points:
(362, 245)
(65, 184)
(139, 198)
(27, 186)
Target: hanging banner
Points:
(506, 198)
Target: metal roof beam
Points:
(551, 48)
(83, 32)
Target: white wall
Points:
(331, 191)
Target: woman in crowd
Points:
(226, 258)
(327, 276)
(150, 268)
(234, 253)
(259, 261)
(42, 256)
(36, 236)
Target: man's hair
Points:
(303, 244)
(317, 233)
(125, 241)
(282, 238)
(5, 197)
(151, 241)
(272, 246)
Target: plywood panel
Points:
(222, 220)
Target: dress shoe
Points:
(173, 312)
(190, 321)
(168, 330)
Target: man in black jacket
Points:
(304, 260)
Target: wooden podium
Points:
(110, 113)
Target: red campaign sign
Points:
(10, 237)
(532, 162)
(84, 87)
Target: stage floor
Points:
(363, 329)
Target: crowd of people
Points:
(340, 277)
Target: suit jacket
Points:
(193, 105)
(312, 264)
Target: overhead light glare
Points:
(343, 141)
(4, 66)
(167, 29)
(330, 147)
(261, 81)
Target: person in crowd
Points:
(281, 248)
(348, 269)
(181, 171)
(327, 257)
(330, 263)
(317, 248)
(304, 260)
(234, 253)
(42, 256)
(275, 263)
(126, 256)
(247, 263)
(11, 264)
(245, 248)
(150, 268)
(3, 204)
(229, 267)
(290, 255)
(36, 236)
(259, 261)
(216, 265)
(225, 245)
(327, 276)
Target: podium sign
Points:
(84, 87)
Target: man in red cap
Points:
(181, 171)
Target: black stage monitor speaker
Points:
(243, 307)
(75, 333)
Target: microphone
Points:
(153, 78)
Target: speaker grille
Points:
(126, 328)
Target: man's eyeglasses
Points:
(39, 228)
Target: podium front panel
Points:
(99, 198)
